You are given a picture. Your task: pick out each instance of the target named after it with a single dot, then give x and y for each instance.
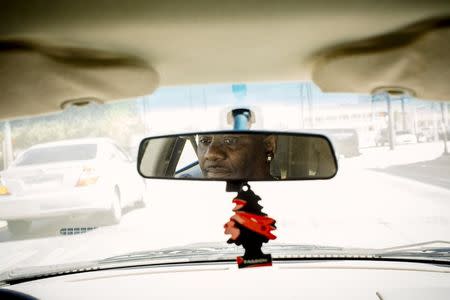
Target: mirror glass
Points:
(247, 156)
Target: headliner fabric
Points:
(420, 63)
(37, 79)
(128, 48)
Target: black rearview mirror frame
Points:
(163, 165)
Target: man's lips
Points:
(217, 170)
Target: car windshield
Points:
(390, 190)
(45, 155)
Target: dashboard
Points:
(284, 280)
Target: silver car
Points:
(70, 177)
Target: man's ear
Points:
(270, 144)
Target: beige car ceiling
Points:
(55, 52)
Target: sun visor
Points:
(415, 58)
(37, 78)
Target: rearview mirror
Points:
(238, 155)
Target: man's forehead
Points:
(228, 135)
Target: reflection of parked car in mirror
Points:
(66, 178)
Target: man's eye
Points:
(205, 140)
(230, 141)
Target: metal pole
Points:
(3, 154)
(372, 115)
(445, 111)
(403, 114)
(311, 107)
(7, 145)
(444, 128)
(435, 122)
(390, 122)
(302, 105)
(415, 118)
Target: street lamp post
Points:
(390, 121)
(444, 128)
(7, 145)
(403, 113)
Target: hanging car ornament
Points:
(250, 227)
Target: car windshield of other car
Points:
(55, 154)
(70, 190)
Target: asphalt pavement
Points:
(435, 171)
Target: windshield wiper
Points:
(186, 254)
(201, 253)
(33, 273)
(220, 252)
(429, 249)
(213, 251)
(416, 245)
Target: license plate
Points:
(45, 184)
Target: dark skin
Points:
(235, 156)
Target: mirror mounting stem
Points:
(241, 119)
(235, 186)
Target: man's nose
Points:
(215, 152)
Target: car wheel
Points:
(19, 226)
(143, 200)
(114, 214)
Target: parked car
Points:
(405, 137)
(65, 178)
(425, 134)
(400, 137)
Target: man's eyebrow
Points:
(236, 135)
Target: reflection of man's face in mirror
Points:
(236, 156)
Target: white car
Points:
(70, 177)
(405, 137)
